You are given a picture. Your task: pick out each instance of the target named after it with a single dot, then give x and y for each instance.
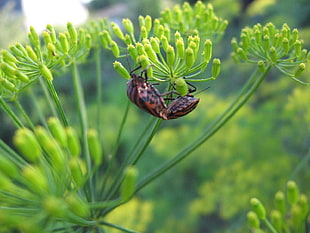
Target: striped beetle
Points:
(145, 95)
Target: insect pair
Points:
(148, 98)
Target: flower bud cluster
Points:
(198, 20)
(49, 174)
(281, 48)
(168, 47)
(21, 65)
(290, 213)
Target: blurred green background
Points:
(255, 154)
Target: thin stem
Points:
(99, 91)
(48, 97)
(80, 100)
(37, 108)
(118, 227)
(11, 114)
(245, 94)
(24, 114)
(132, 159)
(270, 226)
(56, 100)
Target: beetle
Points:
(145, 95)
(181, 106)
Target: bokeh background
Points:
(254, 155)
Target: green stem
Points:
(270, 226)
(118, 227)
(11, 114)
(81, 108)
(131, 159)
(37, 108)
(57, 102)
(99, 91)
(245, 94)
(47, 95)
(24, 114)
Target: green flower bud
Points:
(253, 220)
(258, 208)
(285, 44)
(245, 41)
(115, 49)
(150, 52)
(8, 69)
(273, 54)
(129, 183)
(216, 67)
(8, 57)
(234, 45)
(34, 37)
(303, 55)
(82, 36)
(46, 37)
(107, 36)
(297, 218)
(64, 42)
(76, 171)
(31, 53)
(52, 33)
(35, 179)
(261, 66)
(207, 52)
(277, 220)
(180, 48)
(144, 32)
(297, 47)
(21, 76)
(88, 41)
(266, 42)
(27, 144)
(117, 31)
(189, 58)
(121, 70)
(7, 167)
(46, 73)
(73, 33)
(181, 86)
(148, 23)
(164, 42)
(128, 25)
(103, 40)
(235, 57)
(170, 55)
(141, 21)
(133, 54)
(304, 205)
(128, 39)
(156, 27)
(8, 85)
(57, 131)
(301, 68)
(73, 142)
(155, 44)
(94, 146)
(50, 145)
(285, 32)
(167, 33)
(51, 50)
(292, 192)
(242, 54)
(55, 207)
(294, 35)
(280, 202)
(77, 205)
